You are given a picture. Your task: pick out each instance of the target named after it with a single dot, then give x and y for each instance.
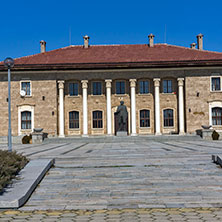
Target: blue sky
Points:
(26, 22)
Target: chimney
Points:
(151, 39)
(86, 41)
(200, 41)
(43, 46)
(193, 45)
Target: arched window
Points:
(97, 119)
(73, 120)
(168, 117)
(26, 120)
(217, 116)
(144, 118)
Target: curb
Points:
(29, 178)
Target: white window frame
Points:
(20, 110)
(30, 87)
(215, 75)
(174, 118)
(211, 106)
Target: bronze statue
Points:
(122, 116)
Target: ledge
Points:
(29, 177)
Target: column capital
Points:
(180, 81)
(132, 82)
(108, 83)
(61, 84)
(84, 84)
(156, 82)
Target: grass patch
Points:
(10, 164)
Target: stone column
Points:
(133, 106)
(108, 106)
(85, 109)
(61, 108)
(157, 105)
(181, 106)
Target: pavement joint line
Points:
(76, 148)
(52, 148)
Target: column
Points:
(181, 106)
(61, 108)
(85, 109)
(108, 106)
(157, 105)
(133, 106)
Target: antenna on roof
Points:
(165, 33)
(70, 36)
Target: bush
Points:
(215, 135)
(27, 139)
(10, 164)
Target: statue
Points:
(122, 116)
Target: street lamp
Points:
(9, 63)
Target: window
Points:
(120, 87)
(26, 87)
(97, 88)
(144, 87)
(215, 83)
(74, 120)
(217, 116)
(144, 118)
(168, 117)
(167, 86)
(26, 120)
(73, 89)
(97, 119)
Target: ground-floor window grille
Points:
(26, 120)
(144, 118)
(168, 117)
(97, 119)
(217, 116)
(73, 120)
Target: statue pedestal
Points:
(121, 133)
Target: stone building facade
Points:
(77, 89)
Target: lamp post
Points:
(9, 63)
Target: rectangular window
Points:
(97, 88)
(73, 89)
(74, 120)
(215, 84)
(167, 86)
(168, 118)
(144, 118)
(26, 120)
(120, 87)
(144, 87)
(25, 86)
(97, 119)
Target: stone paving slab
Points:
(116, 215)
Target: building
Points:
(76, 90)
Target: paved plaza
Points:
(172, 179)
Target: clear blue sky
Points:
(25, 22)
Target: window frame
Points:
(73, 88)
(144, 127)
(173, 125)
(215, 76)
(26, 121)
(26, 81)
(97, 120)
(75, 128)
(167, 86)
(124, 81)
(144, 80)
(92, 85)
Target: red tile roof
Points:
(112, 54)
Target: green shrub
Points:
(10, 164)
(215, 135)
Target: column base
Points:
(133, 134)
(61, 136)
(109, 134)
(85, 135)
(182, 133)
(158, 134)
